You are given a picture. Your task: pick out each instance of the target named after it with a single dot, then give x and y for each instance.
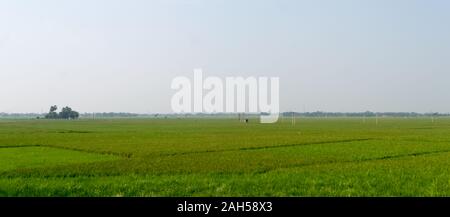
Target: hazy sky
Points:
(103, 55)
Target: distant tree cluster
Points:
(65, 113)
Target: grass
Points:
(40, 157)
(222, 157)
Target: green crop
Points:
(223, 157)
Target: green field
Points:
(223, 157)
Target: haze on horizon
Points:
(121, 56)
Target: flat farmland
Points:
(223, 157)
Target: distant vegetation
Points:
(110, 115)
(66, 113)
(230, 115)
(364, 114)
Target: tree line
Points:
(364, 114)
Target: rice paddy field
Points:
(223, 157)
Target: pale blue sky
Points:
(103, 55)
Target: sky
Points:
(121, 56)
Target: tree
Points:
(74, 115)
(65, 113)
(53, 108)
(52, 113)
